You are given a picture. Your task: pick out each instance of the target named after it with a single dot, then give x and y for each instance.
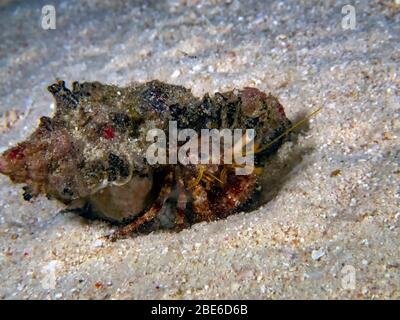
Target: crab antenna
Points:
(290, 129)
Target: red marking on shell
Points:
(109, 132)
(250, 93)
(17, 153)
(251, 100)
(281, 110)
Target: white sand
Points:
(312, 223)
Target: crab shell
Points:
(92, 151)
(89, 153)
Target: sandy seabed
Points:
(329, 223)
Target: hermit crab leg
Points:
(235, 194)
(201, 205)
(150, 214)
(182, 200)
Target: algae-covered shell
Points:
(92, 151)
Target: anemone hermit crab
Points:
(92, 153)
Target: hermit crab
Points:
(93, 154)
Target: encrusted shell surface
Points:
(92, 151)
